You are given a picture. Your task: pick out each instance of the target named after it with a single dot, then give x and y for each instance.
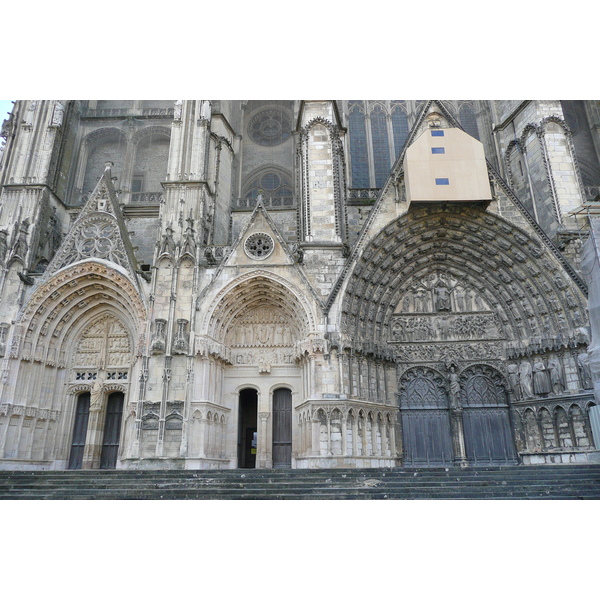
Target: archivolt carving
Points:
(258, 290)
(507, 268)
(67, 302)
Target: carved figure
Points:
(454, 388)
(20, 247)
(205, 110)
(469, 300)
(96, 393)
(442, 296)
(3, 244)
(178, 110)
(556, 379)
(459, 295)
(30, 113)
(398, 331)
(514, 380)
(419, 299)
(57, 115)
(541, 383)
(525, 379)
(583, 362)
(406, 304)
(168, 244)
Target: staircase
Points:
(551, 482)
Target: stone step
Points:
(542, 482)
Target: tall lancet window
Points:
(381, 146)
(466, 116)
(358, 146)
(399, 129)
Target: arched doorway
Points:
(282, 428)
(486, 419)
(247, 430)
(425, 418)
(111, 431)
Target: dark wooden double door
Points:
(427, 426)
(112, 431)
(282, 429)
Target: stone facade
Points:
(220, 284)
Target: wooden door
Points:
(82, 415)
(486, 419)
(427, 436)
(112, 431)
(282, 428)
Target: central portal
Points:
(247, 436)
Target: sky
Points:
(5, 107)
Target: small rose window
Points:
(259, 246)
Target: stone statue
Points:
(419, 298)
(406, 304)
(514, 380)
(583, 362)
(556, 379)
(168, 244)
(525, 375)
(58, 114)
(441, 296)
(460, 299)
(178, 110)
(205, 110)
(30, 113)
(3, 244)
(21, 246)
(96, 393)
(541, 383)
(454, 388)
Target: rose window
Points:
(259, 246)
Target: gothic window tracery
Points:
(269, 183)
(381, 147)
(358, 146)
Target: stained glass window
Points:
(358, 148)
(381, 149)
(271, 184)
(466, 116)
(400, 129)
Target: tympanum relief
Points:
(264, 338)
(439, 309)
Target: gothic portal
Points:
(295, 284)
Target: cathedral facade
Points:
(295, 284)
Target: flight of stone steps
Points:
(552, 482)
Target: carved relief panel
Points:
(263, 337)
(105, 345)
(437, 312)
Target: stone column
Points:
(458, 437)
(354, 436)
(263, 453)
(316, 435)
(93, 438)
